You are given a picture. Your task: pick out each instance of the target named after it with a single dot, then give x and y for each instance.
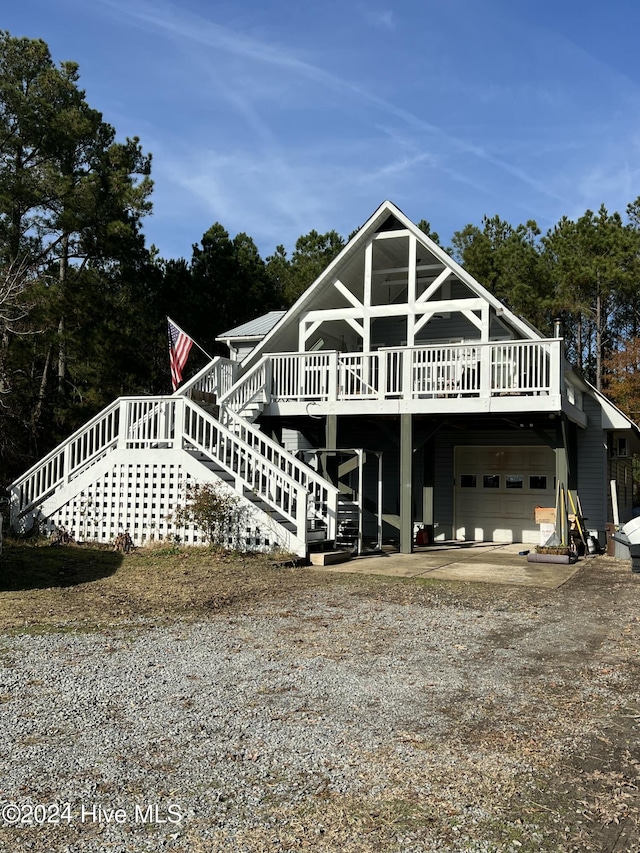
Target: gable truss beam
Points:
(348, 295)
(394, 270)
(449, 306)
(477, 321)
(308, 329)
(358, 327)
(435, 284)
(325, 314)
(389, 235)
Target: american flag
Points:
(179, 348)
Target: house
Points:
(396, 391)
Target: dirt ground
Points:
(568, 658)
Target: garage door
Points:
(497, 490)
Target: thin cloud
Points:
(383, 20)
(177, 23)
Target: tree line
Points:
(84, 301)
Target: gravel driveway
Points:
(415, 717)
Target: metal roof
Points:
(257, 328)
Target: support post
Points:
(562, 477)
(328, 461)
(331, 432)
(406, 471)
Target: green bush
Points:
(216, 512)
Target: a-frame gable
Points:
(391, 286)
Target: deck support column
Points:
(406, 483)
(331, 432)
(562, 478)
(329, 461)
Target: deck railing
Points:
(454, 370)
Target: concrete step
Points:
(329, 558)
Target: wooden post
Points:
(556, 372)
(406, 472)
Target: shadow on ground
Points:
(25, 567)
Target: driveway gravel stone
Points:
(411, 721)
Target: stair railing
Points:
(250, 388)
(67, 460)
(214, 380)
(256, 462)
(264, 467)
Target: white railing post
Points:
(486, 354)
(268, 380)
(302, 513)
(382, 374)
(332, 389)
(123, 423)
(332, 516)
(556, 373)
(178, 415)
(407, 374)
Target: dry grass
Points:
(76, 586)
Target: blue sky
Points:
(275, 118)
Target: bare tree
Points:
(15, 304)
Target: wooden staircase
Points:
(107, 462)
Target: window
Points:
(468, 481)
(537, 482)
(515, 481)
(491, 481)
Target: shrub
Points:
(215, 511)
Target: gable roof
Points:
(257, 328)
(613, 418)
(388, 217)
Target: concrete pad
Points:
(484, 562)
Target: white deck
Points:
(514, 376)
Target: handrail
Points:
(247, 388)
(322, 494)
(133, 422)
(82, 448)
(216, 378)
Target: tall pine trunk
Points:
(62, 343)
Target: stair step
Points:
(329, 558)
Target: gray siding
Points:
(389, 332)
(392, 331)
(592, 468)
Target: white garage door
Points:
(497, 490)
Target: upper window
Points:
(538, 482)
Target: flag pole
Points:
(173, 322)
